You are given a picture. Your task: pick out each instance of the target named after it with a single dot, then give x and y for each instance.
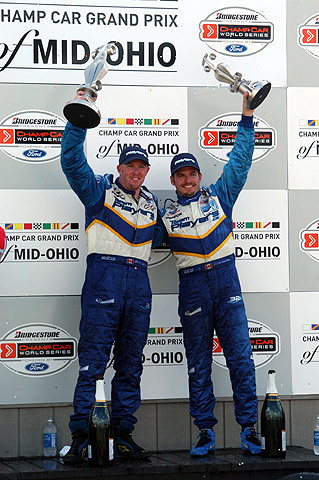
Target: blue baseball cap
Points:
(134, 152)
(183, 160)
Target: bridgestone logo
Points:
(37, 335)
(235, 16)
(34, 121)
(228, 123)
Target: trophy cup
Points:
(257, 91)
(83, 112)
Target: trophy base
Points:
(82, 113)
(258, 95)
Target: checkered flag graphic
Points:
(37, 226)
(240, 224)
(138, 121)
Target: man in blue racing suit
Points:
(120, 217)
(199, 227)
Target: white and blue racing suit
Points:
(116, 295)
(200, 237)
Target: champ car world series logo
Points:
(308, 35)
(37, 350)
(309, 240)
(217, 137)
(236, 31)
(32, 136)
(265, 345)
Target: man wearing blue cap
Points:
(120, 222)
(199, 227)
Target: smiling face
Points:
(132, 175)
(186, 181)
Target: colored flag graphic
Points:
(142, 121)
(8, 226)
(249, 224)
(46, 226)
(315, 326)
(27, 226)
(159, 330)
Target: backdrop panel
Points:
(304, 342)
(159, 42)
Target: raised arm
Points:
(235, 172)
(79, 174)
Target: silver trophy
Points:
(83, 112)
(257, 91)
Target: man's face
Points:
(186, 181)
(132, 175)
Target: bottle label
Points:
(111, 449)
(49, 440)
(283, 440)
(263, 443)
(316, 438)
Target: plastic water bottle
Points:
(316, 436)
(49, 439)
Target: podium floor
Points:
(225, 464)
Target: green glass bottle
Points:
(100, 445)
(273, 431)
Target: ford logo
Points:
(236, 48)
(34, 153)
(37, 367)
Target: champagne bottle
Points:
(273, 433)
(100, 445)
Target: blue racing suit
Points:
(116, 295)
(200, 237)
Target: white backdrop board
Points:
(45, 252)
(159, 42)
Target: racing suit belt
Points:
(207, 266)
(134, 262)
